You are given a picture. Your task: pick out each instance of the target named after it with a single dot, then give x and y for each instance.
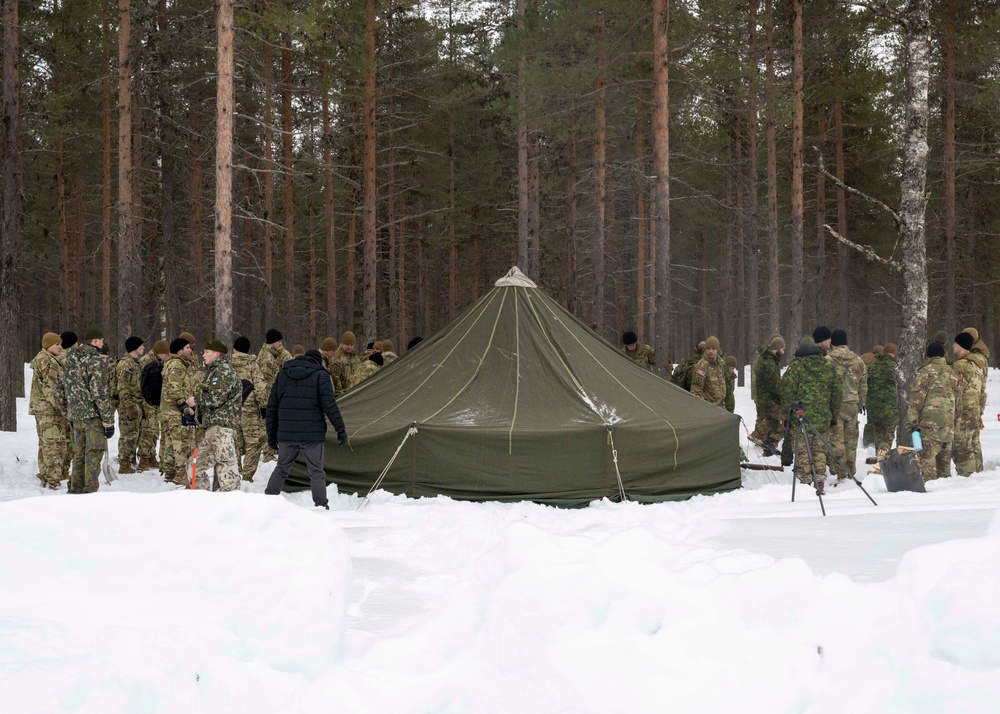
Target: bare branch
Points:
(865, 250)
(854, 191)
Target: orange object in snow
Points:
(194, 467)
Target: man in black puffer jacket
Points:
(301, 401)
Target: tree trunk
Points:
(661, 171)
(331, 243)
(522, 140)
(290, 316)
(822, 302)
(452, 241)
(268, 174)
(798, 272)
(225, 102)
(352, 239)
(774, 272)
(10, 245)
(950, 227)
(738, 310)
(534, 205)
(129, 265)
(106, 174)
(394, 251)
(195, 219)
(572, 297)
(166, 284)
(370, 296)
(843, 254)
(401, 334)
(640, 195)
(753, 263)
(600, 188)
(66, 257)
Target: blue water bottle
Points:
(918, 442)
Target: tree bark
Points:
(843, 254)
(822, 305)
(950, 223)
(225, 102)
(129, 265)
(640, 195)
(166, 283)
(600, 188)
(774, 267)
(452, 240)
(268, 174)
(290, 316)
(370, 294)
(331, 243)
(572, 297)
(522, 140)
(661, 170)
(753, 179)
(10, 245)
(798, 272)
(106, 174)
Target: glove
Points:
(342, 438)
(133, 412)
(833, 423)
(863, 410)
(109, 431)
(263, 413)
(272, 444)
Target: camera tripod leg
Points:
(812, 465)
(831, 452)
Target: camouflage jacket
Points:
(146, 359)
(812, 380)
(642, 355)
(219, 396)
(683, 372)
(246, 368)
(730, 390)
(883, 406)
(853, 374)
(932, 401)
(753, 371)
(177, 383)
(84, 378)
(967, 398)
(388, 358)
(270, 362)
(129, 374)
(342, 370)
(768, 380)
(363, 371)
(708, 380)
(47, 395)
(982, 362)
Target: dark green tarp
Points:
(513, 401)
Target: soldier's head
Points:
(712, 348)
(414, 342)
(52, 343)
(387, 346)
(329, 347)
(822, 335)
(377, 358)
(189, 337)
(161, 349)
(69, 339)
(963, 344)
(935, 349)
(181, 348)
(941, 336)
(298, 350)
(273, 339)
(213, 350)
(377, 347)
(974, 332)
(347, 342)
(777, 345)
(134, 346)
(94, 335)
(699, 348)
(838, 338)
(880, 350)
(890, 349)
(731, 361)
(241, 344)
(104, 352)
(630, 340)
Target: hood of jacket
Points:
(301, 367)
(809, 351)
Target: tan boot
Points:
(126, 469)
(146, 464)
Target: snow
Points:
(147, 598)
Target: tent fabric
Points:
(517, 399)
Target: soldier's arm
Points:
(836, 394)
(698, 380)
(862, 383)
(174, 385)
(98, 388)
(918, 393)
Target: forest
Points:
(391, 160)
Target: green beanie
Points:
(94, 332)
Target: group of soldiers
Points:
(209, 410)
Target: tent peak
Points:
(515, 279)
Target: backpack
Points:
(247, 390)
(151, 382)
(683, 373)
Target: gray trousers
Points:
(313, 454)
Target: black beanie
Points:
(241, 344)
(272, 336)
(178, 344)
(68, 339)
(314, 355)
(935, 349)
(821, 334)
(838, 338)
(377, 358)
(133, 343)
(964, 340)
(414, 342)
(629, 338)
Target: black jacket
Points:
(301, 399)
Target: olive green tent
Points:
(516, 399)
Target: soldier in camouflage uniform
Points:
(731, 384)
(968, 416)
(250, 438)
(270, 360)
(642, 355)
(89, 409)
(812, 381)
(823, 337)
(328, 349)
(932, 411)
(767, 432)
(756, 360)
(854, 398)
(69, 341)
(298, 350)
(149, 430)
(681, 376)
(128, 371)
(883, 405)
(47, 404)
(219, 400)
(342, 368)
(981, 355)
(388, 356)
(178, 387)
(708, 379)
(366, 369)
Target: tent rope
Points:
(614, 457)
(759, 460)
(409, 432)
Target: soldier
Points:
(756, 360)
(89, 409)
(129, 371)
(942, 338)
(642, 355)
(812, 382)
(250, 439)
(883, 405)
(822, 337)
(731, 384)
(981, 355)
(149, 432)
(931, 411)
(328, 349)
(47, 404)
(178, 437)
(869, 358)
(681, 376)
(968, 415)
(366, 369)
(69, 341)
(110, 375)
(343, 367)
(854, 397)
(768, 431)
(388, 356)
(219, 401)
(414, 342)
(708, 379)
(270, 360)
(298, 350)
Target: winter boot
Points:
(146, 464)
(126, 468)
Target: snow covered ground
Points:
(143, 598)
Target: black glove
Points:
(863, 410)
(263, 413)
(342, 438)
(109, 431)
(272, 444)
(833, 423)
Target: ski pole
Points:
(194, 466)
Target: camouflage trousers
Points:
(963, 450)
(977, 446)
(767, 428)
(53, 448)
(803, 468)
(89, 446)
(868, 435)
(218, 450)
(70, 453)
(149, 431)
(844, 440)
(129, 430)
(176, 447)
(251, 440)
(883, 433)
(935, 459)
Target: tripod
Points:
(803, 429)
